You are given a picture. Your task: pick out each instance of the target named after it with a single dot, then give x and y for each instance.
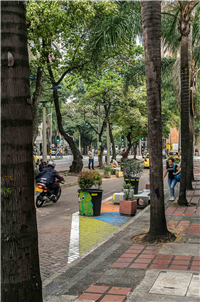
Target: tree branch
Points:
(165, 13)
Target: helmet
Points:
(51, 164)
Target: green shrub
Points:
(107, 169)
(87, 179)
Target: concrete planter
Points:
(107, 174)
(128, 207)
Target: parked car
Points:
(174, 154)
(146, 161)
(53, 152)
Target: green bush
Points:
(87, 179)
(107, 169)
(132, 168)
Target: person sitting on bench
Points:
(114, 163)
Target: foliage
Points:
(132, 168)
(107, 169)
(128, 191)
(87, 179)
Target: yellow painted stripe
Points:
(92, 231)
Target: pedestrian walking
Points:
(66, 151)
(173, 176)
(91, 158)
(61, 152)
(56, 155)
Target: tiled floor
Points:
(184, 227)
(139, 256)
(183, 211)
(105, 293)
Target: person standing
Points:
(91, 158)
(172, 171)
(61, 152)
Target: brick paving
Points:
(105, 293)
(147, 257)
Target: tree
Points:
(151, 25)
(20, 277)
(181, 14)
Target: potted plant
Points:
(90, 198)
(132, 171)
(128, 206)
(107, 172)
(128, 191)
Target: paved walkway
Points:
(121, 270)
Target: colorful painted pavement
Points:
(95, 229)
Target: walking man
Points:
(91, 158)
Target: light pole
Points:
(44, 140)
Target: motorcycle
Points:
(45, 194)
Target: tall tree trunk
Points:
(125, 156)
(20, 272)
(185, 105)
(190, 172)
(190, 175)
(151, 25)
(77, 164)
(135, 149)
(112, 142)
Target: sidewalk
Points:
(121, 270)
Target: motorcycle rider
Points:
(48, 176)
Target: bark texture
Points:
(112, 142)
(151, 25)
(77, 164)
(185, 105)
(20, 273)
(125, 156)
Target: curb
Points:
(69, 184)
(75, 262)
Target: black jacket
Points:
(48, 176)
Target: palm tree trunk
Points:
(20, 272)
(185, 105)
(151, 25)
(190, 171)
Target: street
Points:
(66, 161)
(54, 223)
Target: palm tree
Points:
(151, 25)
(181, 11)
(20, 273)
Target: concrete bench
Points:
(117, 197)
(145, 197)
